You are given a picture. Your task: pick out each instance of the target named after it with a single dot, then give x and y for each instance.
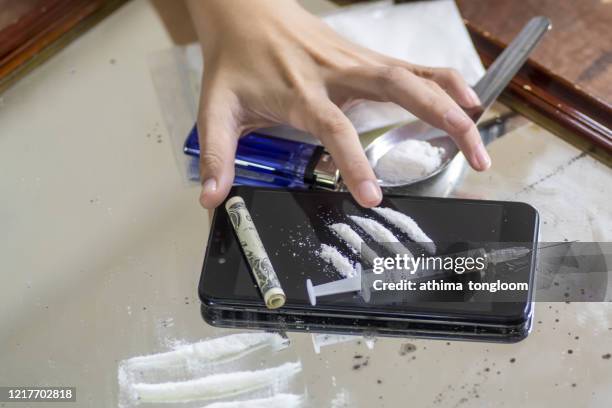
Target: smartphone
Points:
(293, 224)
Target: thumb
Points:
(218, 138)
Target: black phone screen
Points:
(293, 224)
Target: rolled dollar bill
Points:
(256, 254)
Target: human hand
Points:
(269, 62)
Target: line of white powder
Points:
(381, 235)
(217, 386)
(408, 226)
(277, 401)
(218, 350)
(354, 241)
(332, 256)
(347, 234)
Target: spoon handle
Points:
(507, 64)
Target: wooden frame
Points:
(550, 100)
(45, 29)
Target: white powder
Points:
(191, 360)
(408, 226)
(409, 160)
(380, 234)
(217, 386)
(332, 256)
(194, 357)
(277, 401)
(347, 234)
(352, 238)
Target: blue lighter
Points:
(273, 162)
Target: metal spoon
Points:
(497, 77)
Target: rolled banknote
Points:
(256, 255)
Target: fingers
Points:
(427, 100)
(218, 138)
(453, 83)
(448, 78)
(327, 122)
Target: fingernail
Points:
(472, 97)
(457, 118)
(369, 192)
(482, 157)
(208, 187)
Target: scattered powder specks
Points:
(380, 234)
(408, 226)
(331, 255)
(277, 401)
(409, 160)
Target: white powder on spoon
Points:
(409, 160)
(381, 235)
(408, 226)
(332, 256)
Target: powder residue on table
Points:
(201, 371)
(195, 357)
(216, 386)
(409, 160)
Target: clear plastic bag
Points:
(427, 33)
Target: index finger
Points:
(328, 123)
(426, 100)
